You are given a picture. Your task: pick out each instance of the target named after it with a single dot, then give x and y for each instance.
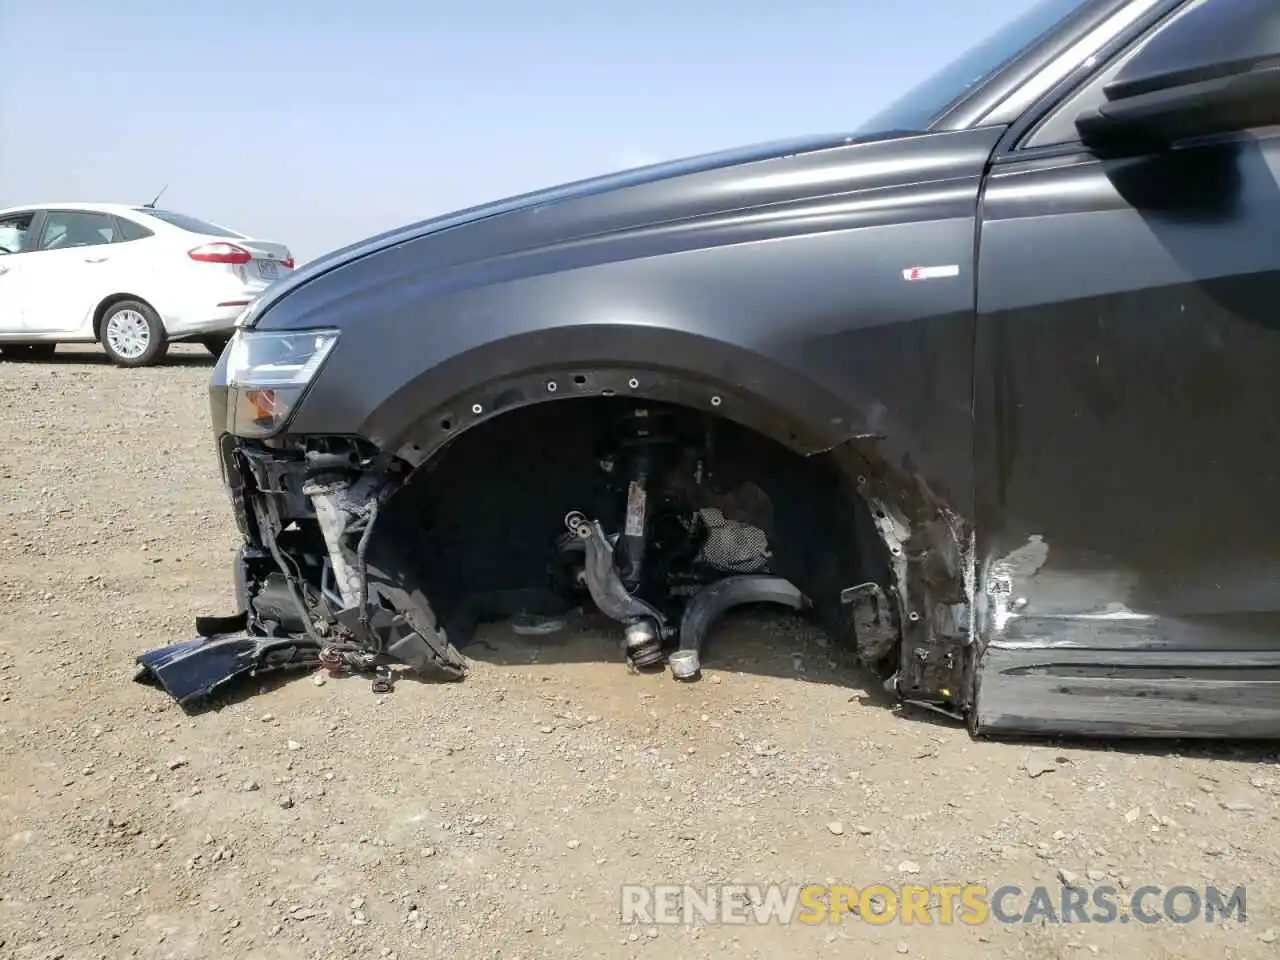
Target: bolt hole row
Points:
(578, 379)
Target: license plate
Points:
(268, 269)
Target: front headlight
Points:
(267, 373)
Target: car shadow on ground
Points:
(179, 355)
(760, 641)
(747, 642)
(765, 642)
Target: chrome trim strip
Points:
(1077, 55)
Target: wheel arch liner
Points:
(662, 364)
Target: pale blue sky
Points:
(320, 122)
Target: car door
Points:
(1127, 404)
(16, 240)
(70, 271)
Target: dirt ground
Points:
(500, 817)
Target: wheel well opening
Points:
(486, 514)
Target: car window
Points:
(1059, 127)
(190, 224)
(920, 105)
(1205, 38)
(130, 230)
(76, 228)
(15, 233)
(1203, 32)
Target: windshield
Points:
(917, 108)
(190, 224)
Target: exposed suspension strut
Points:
(644, 437)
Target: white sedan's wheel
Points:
(128, 333)
(132, 334)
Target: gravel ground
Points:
(499, 817)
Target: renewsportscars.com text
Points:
(940, 904)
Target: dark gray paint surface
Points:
(781, 279)
(1095, 389)
(1128, 406)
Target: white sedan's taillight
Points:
(220, 253)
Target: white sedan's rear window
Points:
(190, 224)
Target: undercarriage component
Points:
(343, 510)
(526, 624)
(685, 664)
(394, 636)
(646, 627)
(643, 644)
(643, 436)
(681, 519)
(730, 545)
(329, 502)
(629, 550)
(605, 586)
(680, 536)
(274, 607)
(875, 625)
(521, 603)
(309, 592)
(710, 603)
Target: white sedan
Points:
(133, 278)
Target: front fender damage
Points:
(929, 625)
(341, 619)
(316, 588)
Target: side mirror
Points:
(1159, 110)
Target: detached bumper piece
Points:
(194, 670)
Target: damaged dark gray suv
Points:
(990, 388)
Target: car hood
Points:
(610, 183)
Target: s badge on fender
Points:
(931, 273)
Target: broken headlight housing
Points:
(267, 373)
